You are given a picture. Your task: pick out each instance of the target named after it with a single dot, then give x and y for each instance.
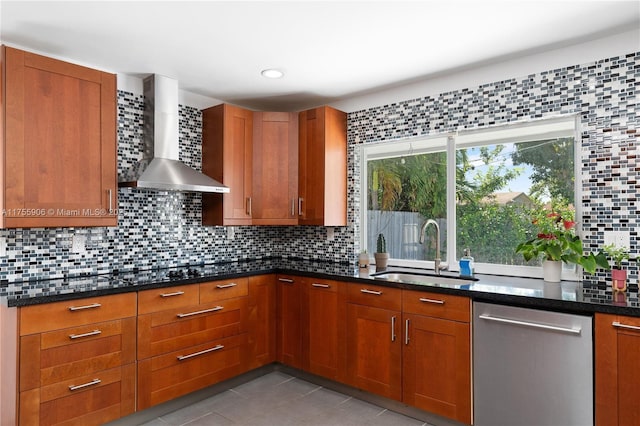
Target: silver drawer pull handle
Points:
(406, 332)
(226, 285)
(285, 280)
(364, 290)
(206, 351)
(84, 385)
(91, 333)
(175, 293)
(425, 300)
(393, 328)
(80, 308)
(627, 326)
(532, 324)
(204, 311)
(321, 285)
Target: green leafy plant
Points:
(381, 244)
(617, 253)
(556, 240)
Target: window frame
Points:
(539, 129)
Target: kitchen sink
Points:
(422, 278)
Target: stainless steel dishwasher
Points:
(531, 367)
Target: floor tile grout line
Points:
(197, 418)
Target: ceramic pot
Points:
(552, 270)
(381, 260)
(363, 260)
(619, 279)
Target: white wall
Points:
(606, 47)
(133, 84)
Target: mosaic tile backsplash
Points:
(158, 229)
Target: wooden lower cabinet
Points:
(437, 366)
(375, 350)
(617, 377)
(325, 335)
(289, 316)
(83, 374)
(189, 347)
(262, 320)
(374, 339)
(411, 346)
(437, 353)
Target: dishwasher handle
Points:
(531, 324)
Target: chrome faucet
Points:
(437, 262)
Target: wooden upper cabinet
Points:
(227, 156)
(275, 168)
(59, 143)
(617, 381)
(322, 167)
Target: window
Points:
(479, 186)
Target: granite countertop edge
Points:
(58, 289)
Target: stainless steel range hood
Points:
(160, 168)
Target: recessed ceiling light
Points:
(272, 73)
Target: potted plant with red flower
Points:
(618, 275)
(556, 242)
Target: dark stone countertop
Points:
(568, 296)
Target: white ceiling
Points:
(328, 50)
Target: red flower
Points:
(568, 224)
(553, 215)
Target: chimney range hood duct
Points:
(160, 168)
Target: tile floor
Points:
(278, 399)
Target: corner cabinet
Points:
(227, 156)
(322, 178)
(617, 377)
(58, 143)
(275, 168)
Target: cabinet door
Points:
(227, 135)
(437, 366)
(262, 320)
(374, 350)
(617, 345)
(322, 167)
(275, 168)
(289, 333)
(325, 336)
(60, 143)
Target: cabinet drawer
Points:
(160, 299)
(63, 355)
(374, 295)
(445, 306)
(57, 315)
(174, 329)
(225, 289)
(93, 399)
(171, 375)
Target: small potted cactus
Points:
(381, 255)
